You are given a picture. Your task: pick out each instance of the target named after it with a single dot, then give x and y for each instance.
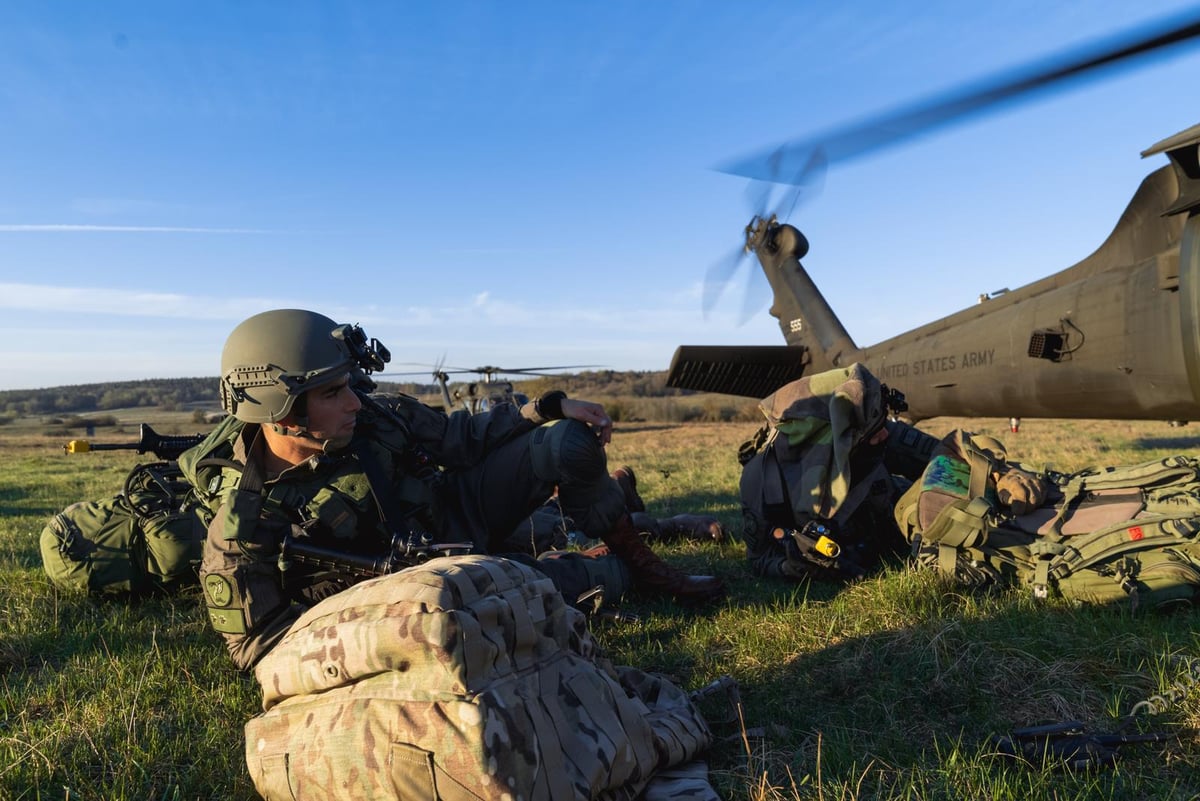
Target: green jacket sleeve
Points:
(459, 439)
(243, 593)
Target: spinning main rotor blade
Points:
(787, 163)
(489, 370)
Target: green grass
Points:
(890, 688)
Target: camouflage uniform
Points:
(460, 477)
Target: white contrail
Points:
(129, 302)
(124, 229)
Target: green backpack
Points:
(1103, 535)
(148, 538)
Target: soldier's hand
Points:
(591, 413)
(1021, 491)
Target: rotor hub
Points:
(788, 241)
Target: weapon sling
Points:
(410, 544)
(386, 503)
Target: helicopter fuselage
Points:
(1116, 336)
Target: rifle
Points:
(165, 448)
(1067, 745)
(403, 552)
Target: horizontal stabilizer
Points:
(753, 371)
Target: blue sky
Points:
(526, 184)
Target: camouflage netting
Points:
(465, 678)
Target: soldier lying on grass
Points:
(308, 456)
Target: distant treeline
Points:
(166, 393)
(644, 396)
(605, 383)
(629, 395)
(180, 393)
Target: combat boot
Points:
(652, 575)
(701, 528)
(625, 476)
(698, 528)
(647, 526)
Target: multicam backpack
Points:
(463, 678)
(148, 538)
(1108, 534)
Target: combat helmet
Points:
(274, 357)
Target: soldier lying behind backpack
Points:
(1106, 534)
(464, 677)
(817, 483)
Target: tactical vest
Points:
(331, 497)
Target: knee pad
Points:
(566, 451)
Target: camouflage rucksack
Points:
(463, 678)
(147, 538)
(1107, 534)
(816, 493)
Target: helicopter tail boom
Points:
(805, 318)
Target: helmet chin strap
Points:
(299, 431)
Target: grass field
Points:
(890, 688)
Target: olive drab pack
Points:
(1101, 535)
(148, 538)
(811, 482)
(334, 497)
(464, 678)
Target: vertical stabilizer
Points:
(805, 318)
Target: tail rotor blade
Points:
(756, 295)
(717, 279)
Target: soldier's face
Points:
(332, 411)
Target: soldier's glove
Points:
(794, 569)
(1021, 491)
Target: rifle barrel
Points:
(168, 448)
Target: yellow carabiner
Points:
(827, 547)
